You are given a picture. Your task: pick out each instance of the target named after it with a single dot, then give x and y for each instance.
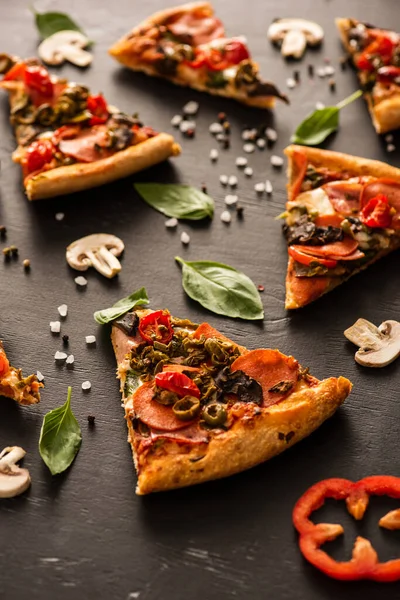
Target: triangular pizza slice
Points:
(375, 53)
(24, 390)
(70, 139)
(342, 214)
(199, 406)
(187, 45)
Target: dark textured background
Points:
(85, 534)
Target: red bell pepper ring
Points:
(99, 109)
(377, 212)
(156, 327)
(179, 383)
(364, 563)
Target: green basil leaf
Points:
(138, 298)
(177, 200)
(51, 22)
(221, 288)
(60, 437)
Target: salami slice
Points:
(154, 414)
(196, 30)
(269, 368)
(344, 196)
(191, 434)
(210, 332)
(336, 249)
(391, 189)
(84, 147)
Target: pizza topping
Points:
(379, 346)
(90, 145)
(13, 479)
(389, 188)
(378, 53)
(219, 57)
(156, 326)
(99, 250)
(306, 231)
(37, 80)
(240, 384)
(377, 212)
(282, 387)
(389, 74)
(176, 382)
(344, 196)
(268, 368)
(39, 154)
(315, 201)
(214, 414)
(344, 247)
(99, 110)
(187, 408)
(298, 254)
(129, 323)
(196, 29)
(151, 412)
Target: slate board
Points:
(86, 534)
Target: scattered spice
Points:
(65, 339)
(190, 133)
(221, 117)
(7, 253)
(204, 188)
(296, 76)
(260, 288)
(310, 69)
(332, 84)
(91, 419)
(227, 127)
(3, 231)
(239, 211)
(26, 264)
(343, 61)
(226, 143)
(14, 251)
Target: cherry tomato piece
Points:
(156, 327)
(98, 107)
(383, 47)
(179, 383)
(38, 79)
(39, 153)
(377, 212)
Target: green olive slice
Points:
(186, 408)
(214, 414)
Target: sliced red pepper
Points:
(377, 212)
(179, 383)
(306, 259)
(364, 563)
(382, 46)
(391, 189)
(156, 327)
(16, 73)
(39, 153)
(99, 109)
(37, 79)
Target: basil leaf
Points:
(177, 200)
(138, 298)
(221, 288)
(321, 123)
(60, 437)
(51, 22)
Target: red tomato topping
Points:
(377, 212)
(4, 364)
(269, 368)
(16, 72)
(383, 46)
(39, 153)
(179, 383)
(388, 74)
(391, 189)
(218, 59)
(37, 79)
(156, 327)
(153, 413)
(98, 107)
(303, 258)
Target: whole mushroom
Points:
(65, 45)
(295, 34)
(13, 479)
(379, 346)
(99, 251)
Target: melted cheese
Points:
(314, 200)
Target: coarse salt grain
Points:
(81, 281)
(90, 339)
(261, 143)
(248, 171)
(390, 148)
(40, 376)
(55, 326)
(268, 187)
(59, 216)
(276, 161)
(329, 70)
(321, 72)
(176, 120)
(226, 216)
(249, 134)
(185, 126)
(70, 359)
(220, 137)
(249, 148)
(291, 83)
(271, 134)
(185, 238)
(63, 310)
(60, 356)
(86, 385)
(223, 179)
(215, 128)
(214, 154)
(171, 223)
(232, 181)
(231, 200)
(319, 105)
(191, 108)
(241, 161)
(389, 137)
(259, 188)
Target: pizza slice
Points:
(199, 406)
(24, 390)
(375, 53)
(187, 45)
(70, 140)
(342, 215)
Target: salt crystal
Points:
(186, 125)
(232, 181)
(271, 134)
(241, 161)
(81, 281)
(191, 108)
(390, 148)
(60, 356)
(59, 216)
(249, 148)
(226, 217)
(55, 326)
(63, 310)
(329, 70)
(70, 359)
(40, 376)
(90, 339)
(86, 385)
(176, 120)
(215, 128)
(389, 137)
(223, 179)
(249, 134)
(213, 154)
(259, 187)
(276, 161)
(220, 137)
(268, 187)
(321, 72)
(261, 143)
(231, 199)
(291, 83)
(185, 238)
(319, 105)
(248, 171)
(171, 223)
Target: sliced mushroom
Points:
(295, 34)
(99, 251)
(379, 346)
(65, 45)
(13, 479)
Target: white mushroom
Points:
(295, 34)
(65, 45)
(99, 251)
(13, 479)
(379, 346)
